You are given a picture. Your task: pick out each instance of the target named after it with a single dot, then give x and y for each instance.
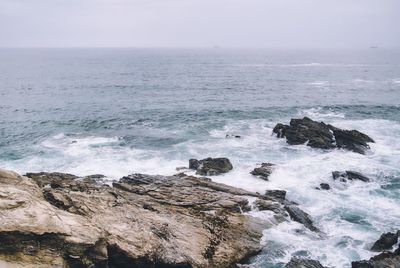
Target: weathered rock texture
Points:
(59, 220)
(264, 171)
(383, 260)
(211, 166)
(320, 135)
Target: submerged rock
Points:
(386, 241)
(303, 263)
(143, 221)
(300, 216)
(325, 186)
(264, 171)
(383, 260)
(211, 166)
(320, 135)
(349, 175)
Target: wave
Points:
(311, 64)
(350, 215)
(320, 113)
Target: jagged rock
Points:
(211, 166)
(300, 216)
(383, 260)
(261, 204)
(321, 135)
(349, 175)
(303, 263)
(386, 241)
(278, 195)
(143, 221)
(325, 186)
(264, 171)
(351, 140)
(56, 178)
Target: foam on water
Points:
(351, 216)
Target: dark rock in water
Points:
(320, 135)
(210, 166)
(325, 186)
(353, 175)
(193, 163)
(349, 175)
(351, 140)
(233, 136)
(278, 195)
(300, 216)
(300, 131)
(386, 241)
(383, 260)
(303, 263)
(264, 171)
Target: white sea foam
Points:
(320, 113)
(359, 80)
(351, 215)
(319, 83)
(308, 64)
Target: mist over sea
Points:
(123, 111)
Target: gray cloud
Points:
(200, 23)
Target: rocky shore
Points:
(63, 220)
(142, 221)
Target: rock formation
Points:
(320, 135)
(264, 171)
(300, 216)
(60, 220)
(210, 166)
(349, 175)
(386, 241)
(383, 260)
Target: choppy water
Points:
(119, 111)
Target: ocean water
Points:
(121, 111)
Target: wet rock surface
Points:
(54, 219)
(275, 195)
(325, 186)
(303, 263)
(383, 260)
(300, 216)
(386, 241)
(211, 166)
(323, 136)
(349, 175)
(264, 171)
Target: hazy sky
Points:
(200, 23)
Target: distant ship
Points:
(374, 47)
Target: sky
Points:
(200, 23)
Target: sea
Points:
(118, 111)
